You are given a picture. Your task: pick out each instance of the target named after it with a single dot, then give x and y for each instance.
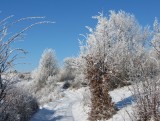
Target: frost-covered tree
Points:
(48, 63)
(116, 40)
(110, 51)
(48, 67)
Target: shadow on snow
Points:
(123, 103)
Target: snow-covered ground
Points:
(71, 107)
(68, 108)
(123, 100)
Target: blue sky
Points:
(71, 17)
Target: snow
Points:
(120, 93)
(71, 107)
(122, 115)
(124, 101)
(68, 108)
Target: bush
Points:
(146, 90)
(17, 106)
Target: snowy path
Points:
(60, 110)
(70, 107)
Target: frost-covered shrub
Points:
(65, 75)
(17, 106)
(48, 68)
(68, 72)
(48, 93)
(147, 94)
(80, 80)
(74, 69)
